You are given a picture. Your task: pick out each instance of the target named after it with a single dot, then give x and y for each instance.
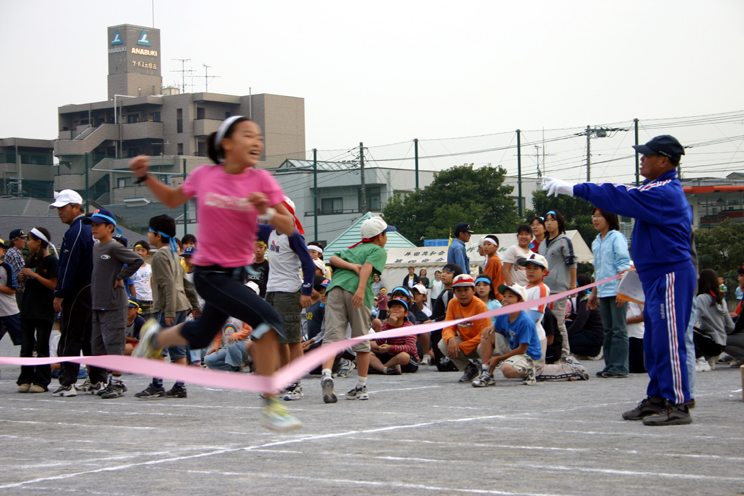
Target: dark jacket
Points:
(76, 258)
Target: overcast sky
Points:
(390, 71)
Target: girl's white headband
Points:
(221, 134)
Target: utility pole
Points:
(364, 184)
(183, 72)
(537, 157)
(415, 151)
(315, 191)
(519, 171)
(588, 154)
(207, 77)
(637, 162)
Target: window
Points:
(132, 152)
(179, 123)
(155, 117)
(132, 118)
(121, 182)
(180, 148)
(331, 206)
(373, 198)
(201, 148)
(200, 113)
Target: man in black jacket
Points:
(72, 296)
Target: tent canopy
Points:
(352, 235)
(433, 258)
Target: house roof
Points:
(352, 235)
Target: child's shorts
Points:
(288, 306)
(409, 368)
(521, 363)
(340, 313)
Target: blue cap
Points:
(102, 216)
(401, 288)
(121, 239)
(398, 301)
(16, 233)
(665, 145)
(188, 251)
(133, 302)
(463, 227)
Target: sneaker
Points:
(648, 406)
(113, 390)
(148, 332)
(37, 389)
(702, 365)
(346, 366)
(608, 374)
(736, 363)
(470, 373)
(427, 360)
(484, 380)
(276, 417)
(88, 388)
(65, 391)
(601, 373)
(24, 388)
(293, 393)
(329, 396)
(725, 358)
(581, 373)
(358, 393)
(671, 414)
(393, 370)
(528, 379)
(176, 392)
(152, 392)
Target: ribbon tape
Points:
(287, 374)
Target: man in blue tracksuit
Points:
(72, 296)
(662, 253)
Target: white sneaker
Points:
(702, 365)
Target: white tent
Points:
(435, 257)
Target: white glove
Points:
(556, 187)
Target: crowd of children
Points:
(253, 289)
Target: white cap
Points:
(374, 226)
(320, 264)
(515, 288)
(420, 288)
(66, 197)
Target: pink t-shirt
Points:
(227, 221)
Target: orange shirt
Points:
(469, 332)
(493, 270)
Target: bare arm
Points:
(364, 275)
(572, 275)
(507, 274)
(50, 283)
(168, 196)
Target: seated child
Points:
(460, 342)
(513, 340)
(396, 355)
(229, 349)
(134, 324)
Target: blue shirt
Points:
(663, 228)
(610, 257)
(458, 255)
(522, 330)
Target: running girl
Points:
(231, 197)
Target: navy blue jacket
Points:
(75, 258)
(661, 240)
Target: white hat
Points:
(320, 264)
(420, 288)
(66, 197)
(375, 226)
(521, 291)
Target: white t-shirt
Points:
(285, 268)
(518, 274)
(535, 293)
(8, 302)
(436, 289)
(142, 282)
(635, 330)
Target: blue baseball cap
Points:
(463, 227)
(133, 302)
(398, 301)
(665, 145)
(188, 251)
(102, 216)
(121, 239)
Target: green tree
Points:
(459, 194)
(721, 248)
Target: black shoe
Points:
(176, 392)
(670, 415)
(613, 375)
(470, 373)
(649, 406)
(601, 373)
(152, 392)
(113, 390)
